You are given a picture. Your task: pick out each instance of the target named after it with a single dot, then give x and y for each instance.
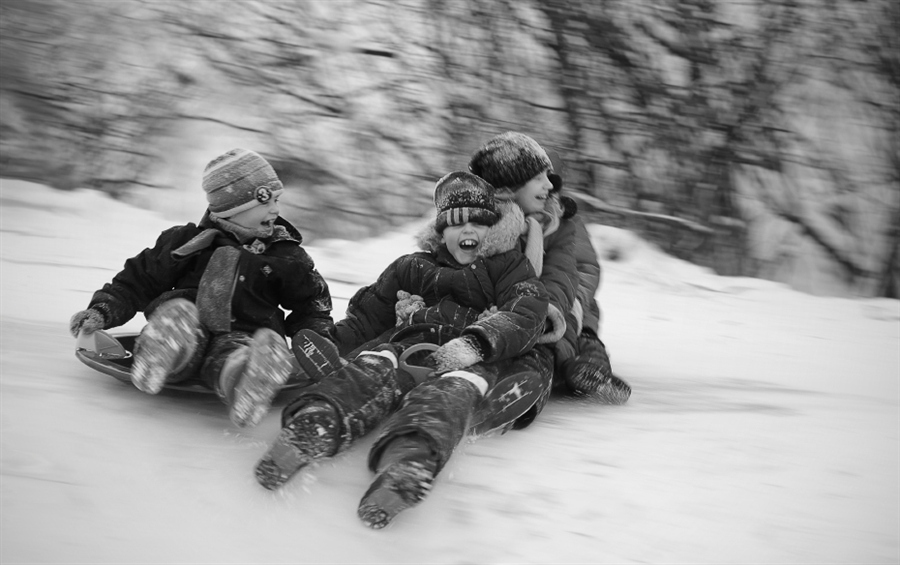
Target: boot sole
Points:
(165, 345)
(294, 448)
(268, 369)
(394, 490)
(281, 462)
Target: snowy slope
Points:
(764, 427)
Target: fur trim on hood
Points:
(501, 237)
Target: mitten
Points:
(487, 313)
(458, 353)
(88, 321)
(407, 305)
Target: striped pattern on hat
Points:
(237, 181)
(510, 160)
(462, 197)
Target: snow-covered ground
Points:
(764, 427)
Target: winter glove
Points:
(488, 312)
(87, 321)
(458, 353)
(407, 305)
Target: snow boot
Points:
(166, 344)
(267, 369)
(408, 467)
(312, 433)
(316, 355)
(590, 374)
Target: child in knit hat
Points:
(476, 297)
(213, 294)
(561, 252)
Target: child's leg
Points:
(247, 372)
(316, 355)
(418, 441)
(590, 373)
(225, 361)
(522, 390)
(169, 347)
(267, 369)
(329, 416)
(406, 470)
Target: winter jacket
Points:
(236, 287)
(456, 296)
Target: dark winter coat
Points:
(457, 295)
(235, 288)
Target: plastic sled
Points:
(111, 355)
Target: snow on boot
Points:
(231, 372)
(590, 374)
(165, 345)
(268, 368)
(408, 471)
(311, 433)
(316, 355)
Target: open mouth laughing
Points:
(468, 244)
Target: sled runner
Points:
(112, 355)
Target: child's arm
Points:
(371, 312)
(143, 278)
(560, 277)
(309, 302)
(588, 277)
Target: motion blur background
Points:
(755, 137)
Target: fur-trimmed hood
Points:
(502, 236)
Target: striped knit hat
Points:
(237, 181)
(510, 160)
(462, 197)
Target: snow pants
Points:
(443, 410)
(367, 391)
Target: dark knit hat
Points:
(238, 181)
(462, 197)
(510, 160)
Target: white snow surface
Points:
(764, 427)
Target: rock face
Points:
(717, 133)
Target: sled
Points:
(112, 356)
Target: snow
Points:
(764, 427)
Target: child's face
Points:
(260, 217)
(533, 194)
(464, 241)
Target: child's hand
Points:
(87, 321)
(458, 353)
(488, 312)
(407, 305)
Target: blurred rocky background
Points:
(755, 137)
